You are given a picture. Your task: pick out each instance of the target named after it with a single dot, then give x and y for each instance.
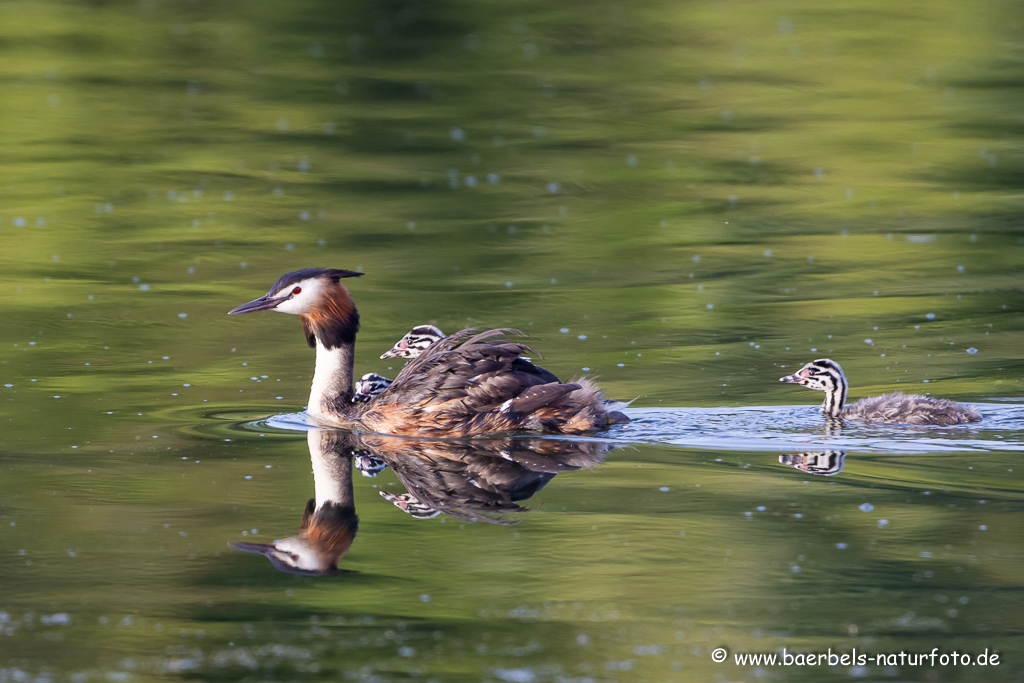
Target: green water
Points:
(685, 200)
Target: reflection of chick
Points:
(406, 502)
(478, 479)
(329, 523)
(368, 464)
(825, 463)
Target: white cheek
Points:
(304, 300)
(292, 306)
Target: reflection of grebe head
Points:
(324, 537)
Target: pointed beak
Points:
(264, 303)
(259, 548)
(392, 353)
(798, 377)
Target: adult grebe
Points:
(471, 383)
(825, 375)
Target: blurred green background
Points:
(677, 197)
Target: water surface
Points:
(686, 201)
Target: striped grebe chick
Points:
(825, 375)
(368, 386)
(415, 342)
(473, 382)
(413, 345)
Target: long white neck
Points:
(332, 470)
(330, 397)
(835, 394)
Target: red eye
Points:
(297, 290)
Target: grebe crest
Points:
(825, 375)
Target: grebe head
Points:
(317, 296)
(301, 292)
(415, 342)
(822, 374)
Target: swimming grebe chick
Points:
(473, 382)
(825, 375)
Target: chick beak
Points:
(798, 377)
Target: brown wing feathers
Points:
(484, 384)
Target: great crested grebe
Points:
(825, 375)
(473, 382)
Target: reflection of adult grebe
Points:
(471, 384)
(826, 375)
(478, 479)
(329, 523)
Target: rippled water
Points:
(684, 201)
